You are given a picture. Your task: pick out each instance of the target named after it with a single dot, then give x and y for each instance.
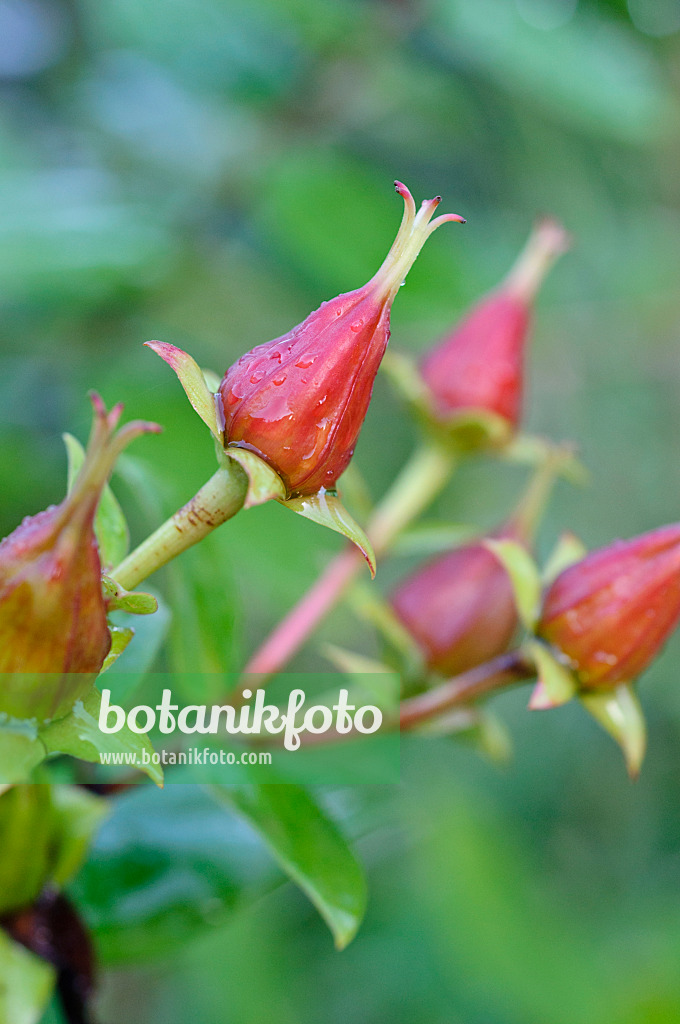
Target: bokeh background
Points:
(206, 172)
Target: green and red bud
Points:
(53, 631)
(610, 614)
(478, 369)
(461, 607)
(299, 401)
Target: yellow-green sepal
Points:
(524, 576)
(618, 711)
(556, 684)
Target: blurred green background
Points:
(208, 171)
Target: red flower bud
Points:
(459, 608)
(611, 613)
(52, 612)
(479, 367)
(299, 401)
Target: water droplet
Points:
(339, 311)
(256, 377)
(356, 326)
(322, 400)
(279, 380)
(275, 355)
(305, 361)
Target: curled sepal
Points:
(556, 683)
(524, 576)
(568, 550)
(110, 526)
(194, 383)
(619, 713)
(79, 735)
(264, 483)
(119, 599)
(120, 638)
(326, 509)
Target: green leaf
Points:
(20, 751)
(263, 482)
(76, 816)
(26, 983)
(192, 380)
(326, 509)
(619, 713)
(78, 734)
(164, 867)
(523, 574)
(110, 526)
(310, 849)
(568, 550)
(556, 684)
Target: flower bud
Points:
(52, 610)
(478, 369)
(299, 401)
(459, 608)
(610, 614)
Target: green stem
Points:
(418, 484)
(218, 500)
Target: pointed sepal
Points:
(619, 713)
(110, 526)
(326, 509)
(568, 550)
(194, 383)
(556, 683)
(264, 483)
(120, 638)
(524, 576)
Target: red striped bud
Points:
(611, 613)
(300, 401)
(52, 611)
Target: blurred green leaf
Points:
(164, 867)
(309, 848)
(78, 734)
(26, 983)
(20, 751)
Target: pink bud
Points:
(459, 608)
(479, 367)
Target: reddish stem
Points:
(496, 674)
